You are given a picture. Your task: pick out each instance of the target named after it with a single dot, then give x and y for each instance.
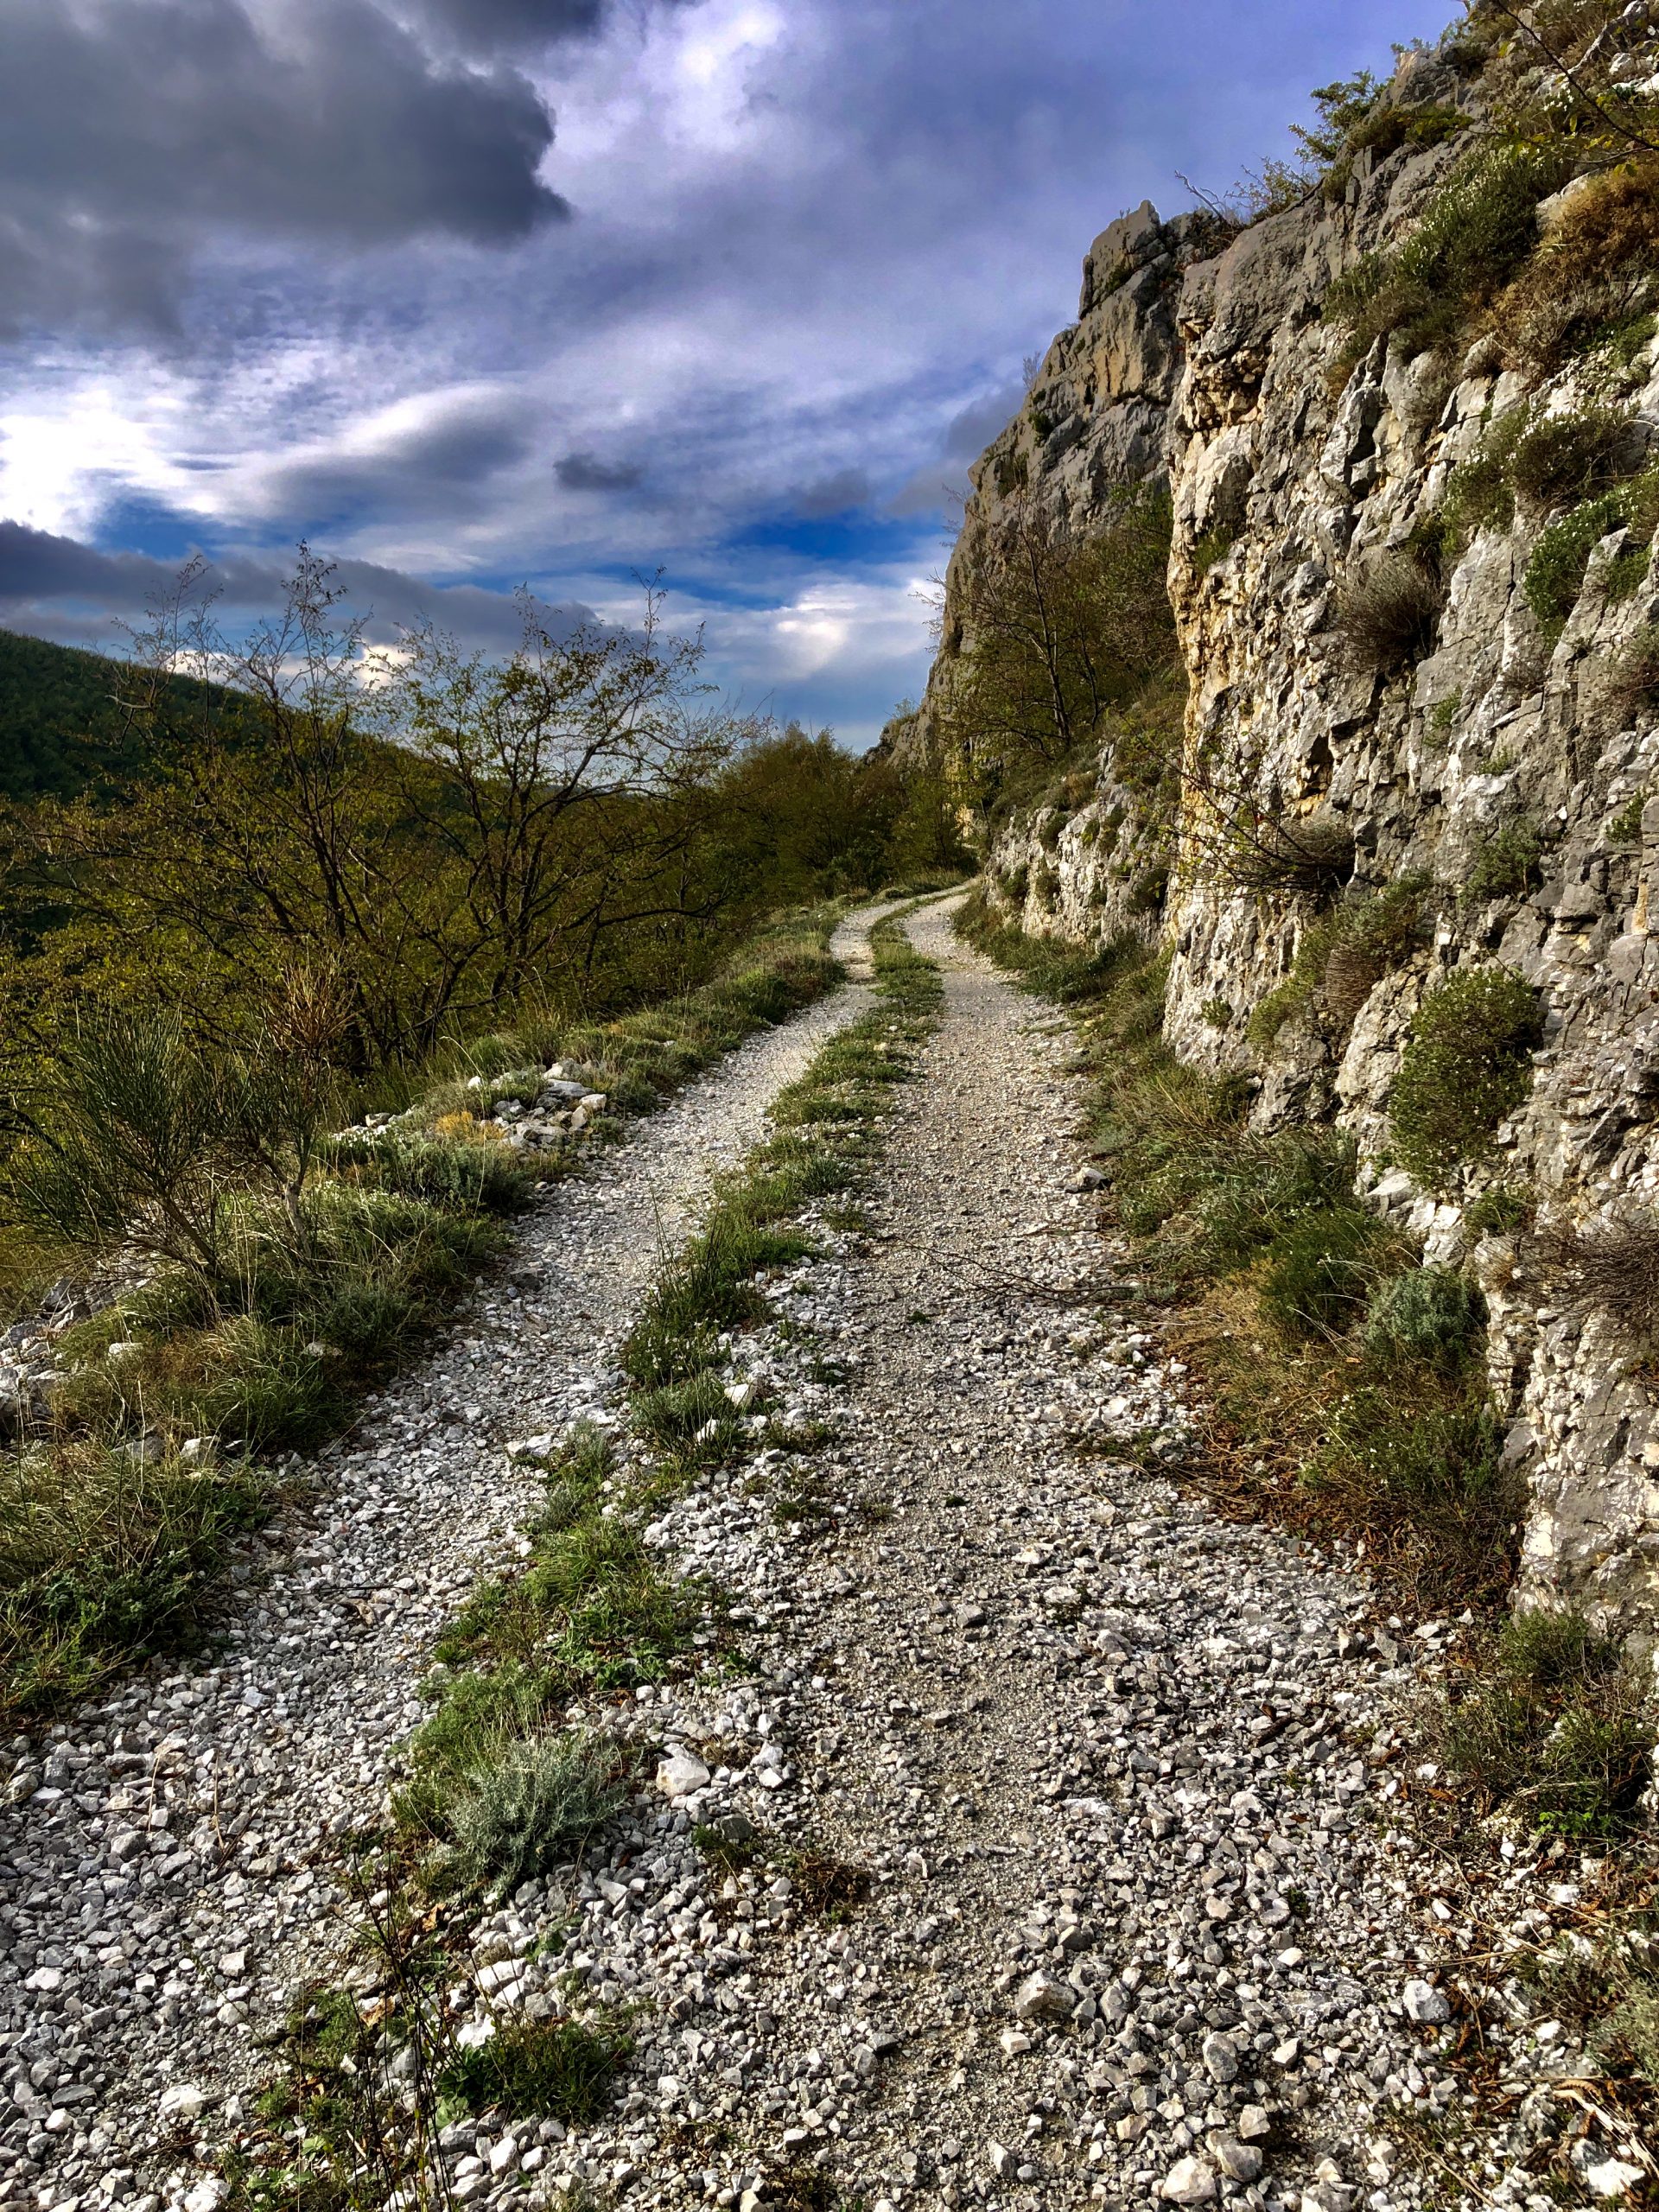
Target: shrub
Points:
(1258, 1192)
(1429, 1314)
(517, 1815)
(1504, 866)
(1260, 851)
(1386, 614)
(463, 1173)
(1342, 957)
(1558, 460)
(1592, 278)
(552, 2069)
(1427, 1485)
(1555, 574)
(1632, 683)
(1320, 1270)
(1466, 1065)
(1613, 1265)
(1552, 1720)
(1551, 459)
(1475, 234)
(1497, 1211)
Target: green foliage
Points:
(1552, 1721)
(1466, 1065)
(1552, 460)
(1589, 288)
(461, 1176)
(1498, 1210)
(1554, 574)
(102, 1558)
(1427, 1481)
(570, 829)
(1429, 1314)
(1475, 234)
(517, 1814)
(551, 2069)
(1341, 956)
(1505, 864)
(1059, 629)
(135, 1137)
(61, 726)
(1320, 1270)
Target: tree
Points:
(1056, 626)
(434, 835)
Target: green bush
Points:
(1505, 864)
(103, 1558)
(1552, 1720)
(1428, 1313)
(1552, 461)
(1554, 574)
(1466, 1065)
(1320, 1270)
(1341, 956)
(1427, 1483)
(481, 1177)
(1476, 232)
(517, 1815)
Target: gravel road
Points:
(1074, 1869)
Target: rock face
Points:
(1502, 769)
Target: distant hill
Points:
(59, 723)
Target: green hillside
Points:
(59, 723)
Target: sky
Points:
(477, 294)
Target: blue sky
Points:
(474, 293)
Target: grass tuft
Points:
(543, 2069)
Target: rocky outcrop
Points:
(1503, 772)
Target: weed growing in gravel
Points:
(1551, 1720)
(519, 1811)
(490, 1786)
(553, 2069)
(101, 1557)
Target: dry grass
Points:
(1388, 612)
(1612, 1265)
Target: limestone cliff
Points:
(1501, 765)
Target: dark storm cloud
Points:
(441, 467)
(510, 26)
(833, 495)
(47, 584)
(583, 471)
(130, 129)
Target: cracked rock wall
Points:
(1216, 367)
